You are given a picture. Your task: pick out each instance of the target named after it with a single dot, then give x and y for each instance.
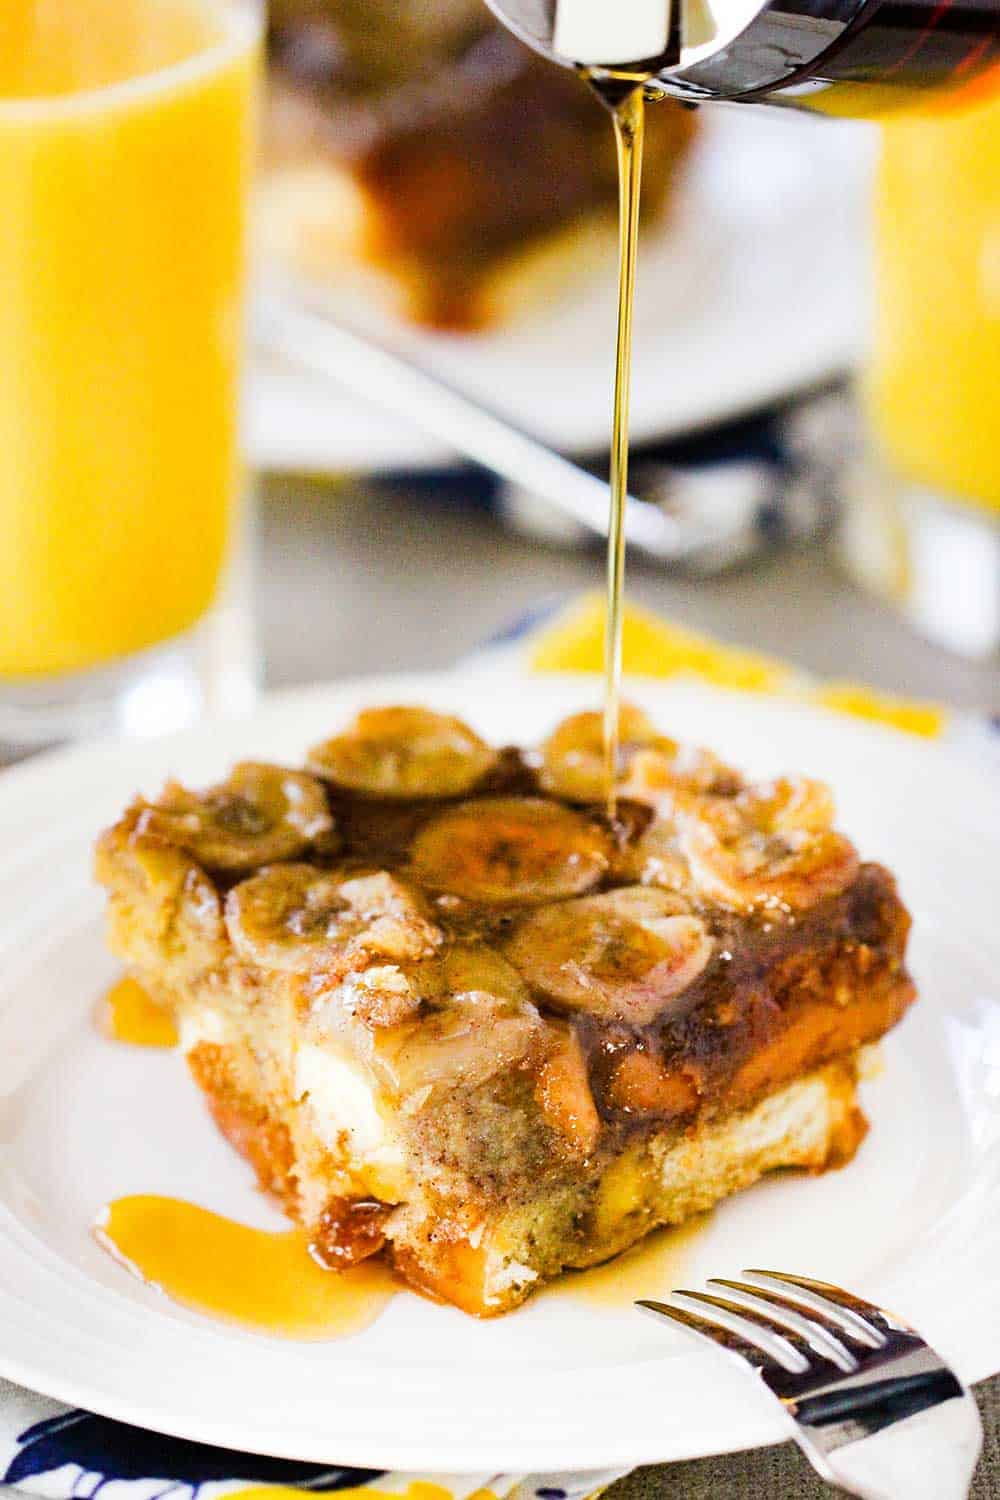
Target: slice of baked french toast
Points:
(455, 1014)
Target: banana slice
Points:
(404, 752)
(770, 847)
(469, 1041)
(511, 850)
(563, 1094)
(789, 803)
(301, 919)
(573, 754)
(381, 995)
(469, 968)
(624, 955)
(668, 772)
(642, 1084)
(261, 814)
(656, 858)
(163, 905)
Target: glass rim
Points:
(243, 26)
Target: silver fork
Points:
(874, 1409)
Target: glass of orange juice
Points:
(923, 521)
(126, 145)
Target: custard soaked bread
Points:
(453, 1014)
(417, 147)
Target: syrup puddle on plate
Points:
(127, 1014)
(652, 1268)
(262, 1279)
(267, 1281)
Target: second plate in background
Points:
(753, 288)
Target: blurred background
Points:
(432, 216)
(455, 196)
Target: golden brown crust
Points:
(246, 1122)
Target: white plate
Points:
(754, 290)
(914, 1221)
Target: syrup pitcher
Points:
(919, 509)
(811, 52)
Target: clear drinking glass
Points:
(922, 524)
(126, 152)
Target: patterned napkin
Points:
(50, 1449)
(59, 1451)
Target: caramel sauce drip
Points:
(260, 1279)
(349, 1232)
(129, 1014)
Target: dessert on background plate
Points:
(422, 152)
(456, 1015)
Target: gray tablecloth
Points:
(362, 581)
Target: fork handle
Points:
(930, 1456)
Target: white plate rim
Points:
(600, 1447)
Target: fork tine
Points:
(822, 1333)
(858, 1319)
(754, 1354)
(787, 1337)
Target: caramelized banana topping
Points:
(404, 752)
(260, 814)
(301, 919)
(517, 850)
(469, 968)
(563, 1094)
(625, 955)
(656, 858)
(665, 772)
(573, 754)
(475, 1037)
(771, 846)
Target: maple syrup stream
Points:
(627, 113)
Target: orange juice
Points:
(125, 152)
(934, 387)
